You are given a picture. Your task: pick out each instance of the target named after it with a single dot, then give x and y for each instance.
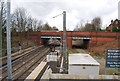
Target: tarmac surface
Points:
(53, 66)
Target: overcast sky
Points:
(76, 11)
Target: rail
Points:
(36, 72)
(25, 65)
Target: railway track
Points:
(22, 67)
(34, 65)
(20, 59)
(17, 55)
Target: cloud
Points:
(77, 10)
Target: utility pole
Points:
(9, 42)
(117, 37)
(64, 42)
(0, 32)
(119, 10)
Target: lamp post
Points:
(64, 42)
(119, 10)
(9, 42)
(0, 33)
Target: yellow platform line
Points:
(36, 72)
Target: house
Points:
(114, 25)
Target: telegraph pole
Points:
(119, 10)
(0, 32)
(117, 37)
(64, 42)
(9, 42)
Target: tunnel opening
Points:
(80, 43)
(57, 42)
(86, 43)
(45, 41)
(48, 41)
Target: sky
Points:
(77, 11)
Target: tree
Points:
(46, 26)
(97, 23)
(13, 24)
(79, 26)
(35, 23)
(19, 19)
(2, 24)
(39, 27)
(3, 15)
(55, 28)
(29, 24)
(89, 27)
(115, 29)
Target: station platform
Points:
(39, 71)
(53, 65)
(49, 72)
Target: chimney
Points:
(111, 21)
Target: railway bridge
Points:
(89, 38)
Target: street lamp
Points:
(64, 41)
(0, 33)
(9, 42)
(119, 10)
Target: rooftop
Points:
(82, 59)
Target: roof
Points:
(82, 59)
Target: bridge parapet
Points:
(73, 34)
(94, 37)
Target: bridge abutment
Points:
(98, 41)
(69, 42)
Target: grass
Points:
(25, 43)
(73, 51)
(100, 55)
(111, 71)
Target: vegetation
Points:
(21, 22)
(95, 25)
(115, 29)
